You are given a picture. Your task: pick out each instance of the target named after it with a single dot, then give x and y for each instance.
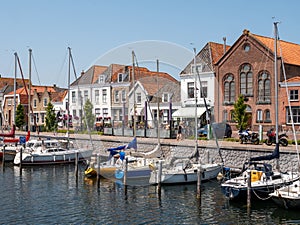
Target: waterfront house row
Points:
(245, 68)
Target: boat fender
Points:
(119, 163)
(152, 167)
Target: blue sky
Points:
(104, 32)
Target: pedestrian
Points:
(179, 133)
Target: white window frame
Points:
(294, 95)
(138, 98)
(165, 97)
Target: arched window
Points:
(259, 115)
(267, 116)
(229, 89)
(264, 87)
(246, 80)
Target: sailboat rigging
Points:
(41, 152)
(264, 180)
(186, 170)
(289, 196)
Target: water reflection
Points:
(50, 194)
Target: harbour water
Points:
(51, 195)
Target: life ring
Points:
(152, 167)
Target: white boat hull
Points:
(236, 188)
(177, 175)
(48, 158)
(288, 196)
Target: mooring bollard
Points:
(159, 176)
(249, 189)
(76, 165)
(3, 158)
(21, 157)
(125, 171)
(199, 182)
(98, 170)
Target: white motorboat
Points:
(40, 152)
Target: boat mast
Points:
(134, 104)
(157, 99)
(196, 99)
(276, 87)
(15, 86)
(29, 88)
(68, 103)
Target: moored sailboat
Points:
(186, 170)
(259, 176)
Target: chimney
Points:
(54, 85)
(224, 40)
(82, 73)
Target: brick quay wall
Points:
(234, 154)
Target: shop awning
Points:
(188, 112)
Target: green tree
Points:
(20, 117)
(89, 117)
(239, 113)
(51, 123)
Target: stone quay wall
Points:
(233, 154)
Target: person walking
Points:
(179, 133)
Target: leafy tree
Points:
(239, 113)
(20, 117)
(51, 123)
(89, 117)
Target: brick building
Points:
(247, 68)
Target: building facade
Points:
(247, 69)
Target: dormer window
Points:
(101, 79)
(120, 77)
(165, 97)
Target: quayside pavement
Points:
(223, 144)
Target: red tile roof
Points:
(217, 51)
(290, 51)
(152, 84)
(141, 72)
(293, 79)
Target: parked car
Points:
(202, 132)
(221, 130)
